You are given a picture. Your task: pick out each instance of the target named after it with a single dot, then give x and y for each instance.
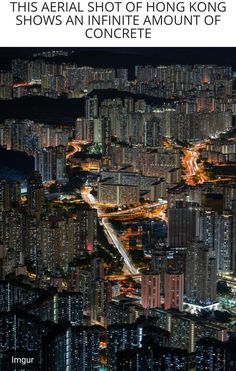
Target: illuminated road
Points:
(122, 277)
(194, 171)
(110, 231)
(25, 84)
(112, 234)
(156, 209)
(75, 147)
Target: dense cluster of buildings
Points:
(61, 305)
(133, 336)
(137, 123)
(47, 238)
(29, 136)
(43, 76)
(46, 143)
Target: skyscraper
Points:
(86, 228)
(13, 292)
(153, 358)
(106, 137)
(12, 235)
(91, 107)
(122, 337)
(98, 268)
(85, 287)
(200, 283)
(226, 246)
(84, 129)
(58, 307)
(50, 162)
(211, 354)
(35, 192)
(74, 348)
(173, 290)
(183, 219)
(152, 133)
(129, 338)
(208, 228)
(101, 295)
(10, 193)
(150, 291)
(13, 325)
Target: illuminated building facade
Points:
(150, 291)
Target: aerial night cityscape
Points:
(118, 209)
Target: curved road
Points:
(110, 231)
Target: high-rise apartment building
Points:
(74, 348)
(211, 354)
(200, 282)
(173, 290)
(10, 193)
(50, 162)
(226, 246)
(35, 191)
(150, 291)
(183, 223)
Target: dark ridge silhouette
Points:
(62, 110)
(43, 109)
(113, 93)
(14, 160)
